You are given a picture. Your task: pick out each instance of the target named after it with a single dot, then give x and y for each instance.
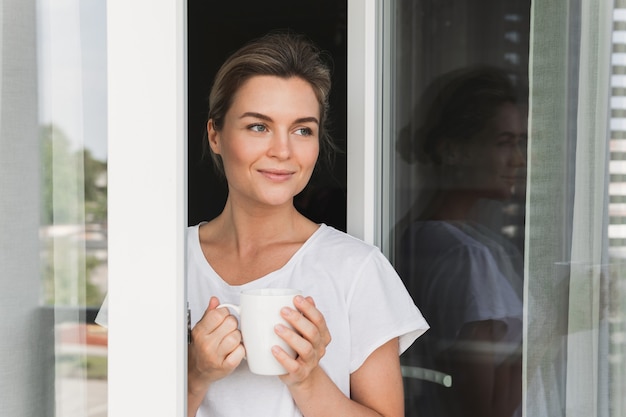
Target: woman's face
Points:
(494, 160)
(269, 142)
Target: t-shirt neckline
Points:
(294, 258)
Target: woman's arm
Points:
(377, 384)
(376, 387)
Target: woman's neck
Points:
(246, 227)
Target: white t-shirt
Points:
(364, 303)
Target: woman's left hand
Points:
(308, 339)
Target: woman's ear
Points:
(213, 137)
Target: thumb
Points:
(213, 303)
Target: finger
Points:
(215, 346)
(234, 358)
(229, 343)
(215, 320)
(228, 325)
(305, 348)
(302, 325)
(290, 364)
(307, 307)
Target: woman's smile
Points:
(277, 175)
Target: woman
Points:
(266, 127)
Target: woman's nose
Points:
(279, 146)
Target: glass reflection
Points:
(72, 90)
(463, 272)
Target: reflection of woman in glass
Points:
(465, 277)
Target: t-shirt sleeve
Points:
(467, 281)
(102, 318)
(380, 308)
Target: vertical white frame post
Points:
(386, 152)
(363, 120)
(147, 110)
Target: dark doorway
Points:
(215, 30)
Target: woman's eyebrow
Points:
(307, 120)
(256, 115)
(262, 116)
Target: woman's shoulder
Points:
(337, 237)
(333, 243)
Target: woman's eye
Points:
(257, 128)
(304, 131)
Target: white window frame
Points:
(364, 179)
(147, 157)
(147, 112)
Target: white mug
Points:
(259, 313)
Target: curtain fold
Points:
(587, 330)
(26, 379)
(567, 265)
(547, 210)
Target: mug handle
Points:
(231, 306)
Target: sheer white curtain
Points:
(568, 270)
(26, 338)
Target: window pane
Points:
(481, 216)
(53, 172)
(73, 147)
(617, 218)
(458, 177)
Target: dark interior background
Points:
(218, 28)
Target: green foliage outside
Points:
(65, 279)
(92, 367)
(62, 188)
(74, 192)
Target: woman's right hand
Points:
(214, 352)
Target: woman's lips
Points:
(276, 174)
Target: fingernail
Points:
(299, 299)
(279, 328)
(286, 311)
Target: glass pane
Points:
(617, 218)
(73, 139)
(458, 174)
(53, 187)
